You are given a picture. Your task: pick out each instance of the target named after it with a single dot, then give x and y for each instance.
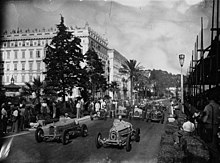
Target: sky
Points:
(153, 32)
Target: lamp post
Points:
(181, 60)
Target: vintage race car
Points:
(101, 114)
(138, 113)
(121, 134)
(61, 131)
(155, 114)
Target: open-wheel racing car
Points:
(121, 134)
(62, 131)
(137, 113)
(155, 114)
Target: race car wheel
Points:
(138, 131)
(84, 130)
(65, 137)
(39, 135)
(98, 141)
(128, 143)
(137, 135)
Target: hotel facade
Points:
(116, 60)
(22, 53)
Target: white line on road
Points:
(23, 133)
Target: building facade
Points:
(22, 52)
(115, 63)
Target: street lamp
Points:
(181, 60)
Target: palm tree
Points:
(114, 87)
(36, 87)
(130, 68)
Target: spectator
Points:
(15, 117)
(211, 120)
(97, 106)
(188, 127)
(78, 107)
(4, 118)
(21, 117)
(54, 110)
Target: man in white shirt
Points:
(15, 120)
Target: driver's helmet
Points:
(120, 117)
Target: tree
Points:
(63, 61)
(114, 87)
(95, 72)
(130, 68)
(36, 87)
(141, 83)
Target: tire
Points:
(39, 135)
(91, 117)
(137, 135)
(65, 137)
(97, 141)
(128, 143)
(138, 131)
(84, 130)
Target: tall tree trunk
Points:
(64, 100)
(131, 90)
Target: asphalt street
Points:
(25, 149)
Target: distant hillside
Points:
(164, 80)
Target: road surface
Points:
(25, 149)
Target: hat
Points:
(188, 126)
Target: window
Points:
(38, 53)
(31, 53)
(12, 44)
(15, 78)
(8, 54)
(30, 78)
(7, 79)
(16, 54)
(23, 54)
(8, 66)
(22, 78)
(30, 65)
(38, 65)
(35, 43)
(42, 42)
(15, 66)
(5, 44)
(19, 44)
(27, 43)
(23, 66)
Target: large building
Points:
(115, 63)
(23, 52)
